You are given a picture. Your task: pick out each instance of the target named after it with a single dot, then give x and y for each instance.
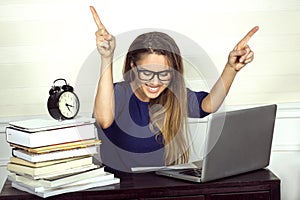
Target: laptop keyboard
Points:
(192, 172)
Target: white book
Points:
(39, 164)
(33, 157)
(35, 187)
(64, 172)
(84, 177)
(38, 124)
(67, 189)
(103, 177)
(50, 137)
(34, 171)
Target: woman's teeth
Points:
(153, 89)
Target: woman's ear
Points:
(132, 65)
(131, 71)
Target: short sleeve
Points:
(121, 93)
(194, 104)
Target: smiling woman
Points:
(154, 105)
(143, 119)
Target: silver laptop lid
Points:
(238, 141)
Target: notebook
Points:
(236, 142)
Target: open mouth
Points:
(153, 89)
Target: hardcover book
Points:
(51, 136)
(34, 157)
(34, 171)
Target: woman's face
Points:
(153, 75)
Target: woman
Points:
(144, 118)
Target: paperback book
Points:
(58, 181)
(36, 171)
(45, 192)
(35, 157)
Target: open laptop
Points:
(236, 142)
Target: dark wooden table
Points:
(257, 185)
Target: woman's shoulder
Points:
(122, 90)
(192, 92)
(122, 86)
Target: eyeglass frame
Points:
(153, 74)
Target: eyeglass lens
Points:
(148, 75)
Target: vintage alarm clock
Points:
(62, 103)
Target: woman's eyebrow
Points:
(143, 67)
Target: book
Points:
(20, 161)
(33, 171)
(58, 181)
(55, 157)
(64, 172)
(73, 188)
(33, 157)
(36, 187)
(58, 147)
(38, 124)
(50, 137)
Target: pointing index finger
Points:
(245, 40)
(96, 18)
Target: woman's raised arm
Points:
(240, 56)
(104, 104)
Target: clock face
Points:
(68, 104)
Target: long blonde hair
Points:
(168, 112)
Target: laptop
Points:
(236, 142)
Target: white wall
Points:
(44, 40)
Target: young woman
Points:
(142, 120)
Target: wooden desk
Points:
(261, 184)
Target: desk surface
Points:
(148, 185)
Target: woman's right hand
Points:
(105, 42)
(104, 105)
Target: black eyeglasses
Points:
(147, 75)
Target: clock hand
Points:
(68, 105)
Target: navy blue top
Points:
(128, 142)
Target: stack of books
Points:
(54, 157)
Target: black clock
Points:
(62, 103)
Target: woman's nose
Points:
(155, 80)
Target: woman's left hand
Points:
(242, 54)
